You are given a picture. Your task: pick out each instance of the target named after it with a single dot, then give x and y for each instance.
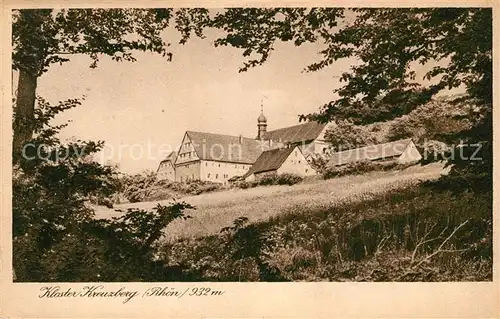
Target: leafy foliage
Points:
(362, 167)
(42, 37)
(439, 119)
(272, 179)
(455, 43)
(53, 179)
(118, 249)
(254, 30)
(146, 187)
(56, 237)
(345, 135)
(414, 234)
(388, 42)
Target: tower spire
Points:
(261, 122)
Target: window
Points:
(208, 175)
(216, 176)
(219, 164)
(307, 170)
(296, 154)
(299, 161)
(206, 164)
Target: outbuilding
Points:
(402, 152)
(279, 161)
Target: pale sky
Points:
(150, 103)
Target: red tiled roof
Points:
(372, 152)
(226, 148)
(270, 160)
(297, 133)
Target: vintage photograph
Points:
(276, 144)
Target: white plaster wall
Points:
(166, 171)
(296, 163)
(220, 172)
(187, 171)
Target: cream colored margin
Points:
(270, 300)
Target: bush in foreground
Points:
(118, 249)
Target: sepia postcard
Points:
(249, 160)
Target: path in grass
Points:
(219, 209)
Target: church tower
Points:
(261, 123)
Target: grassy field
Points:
(220, 209)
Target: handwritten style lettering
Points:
(95, 291)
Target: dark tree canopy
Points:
(41, 37)
(45, 36)
(387, 43)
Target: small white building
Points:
(402, 151)
(166, 169)
(278, 161)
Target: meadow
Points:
(377, 226)
(393, 230)
(219, 209)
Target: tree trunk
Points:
(25, 109)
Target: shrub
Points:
(117, 249)
(243, 184)
(55, 234)
(348, 169)
(347, 135)
(288, 179)
(271, 179)
(363, 167)
(145, 187)
(267, 179)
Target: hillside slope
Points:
(220, 209)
